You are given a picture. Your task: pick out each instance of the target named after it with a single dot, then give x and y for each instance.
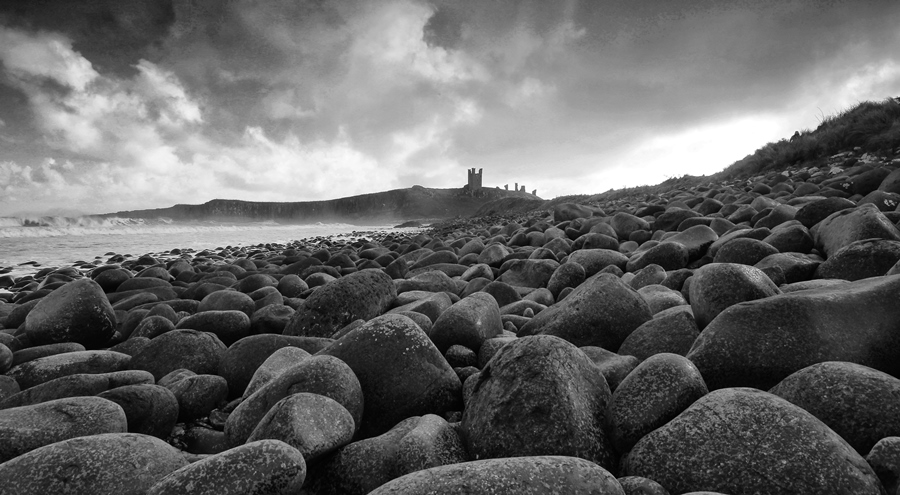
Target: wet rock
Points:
(748, 441)
(561, 403)
(311, 423)
(41, 370)
(469, 323)
(228, 325)
(594, 260)
(857, 402)
(718, 286)
(744, 251)
(244, 357)
(25, 428)
(416, 443)
(520, 475)
(759, 343)
(601, 312)
(673, 332)
(361, 295)
(199, 352)
(79, 384)
(98, 464)
(529, 273)
(263, 467)
(150, 409)
(657, 391)
(198, 395)
(861, 259)
(76, 312)
(322, 375)
(401, 372)
(847, 226)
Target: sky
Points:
(114, 105)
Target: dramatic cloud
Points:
(126, 104)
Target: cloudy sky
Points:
(113, 105)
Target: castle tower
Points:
(475, 181)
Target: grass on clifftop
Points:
(873, 126)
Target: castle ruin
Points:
(474, 181)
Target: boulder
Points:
(743, 440)
(416, 443)
(361, 295)
(76, 312)
(759, 343)
(547, 387)
(228, 325)
(401, 372)
(23, 429)
(861, 259)
(103, 464)
(322, 375)
(469, 323)
(601, 312)
(718, 286)
(311, 423)
(265, 467)
(41, 370)
(199, 352)
(529, 273)
(657, 391)
(150, 409)
(847, 226)
(517, 475)
(859, 403)
(673, 332)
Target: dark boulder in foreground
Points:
(515, 475)
(546, 387)
(401, 372)
(106, 464)
(76, 312)
(759, 343)
(742, 440)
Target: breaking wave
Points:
(50, 226)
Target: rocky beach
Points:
(729, 336)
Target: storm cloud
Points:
(115, 105)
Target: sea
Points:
(28, 245)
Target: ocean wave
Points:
(49, 226)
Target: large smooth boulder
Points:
(529, 273)
(657, 391)
(322, 375)
(105, 464)
(414, 444)
(759, 343)
(601, 312)
(861, 259)
(401, 372)
(538, 395)
(311, 423)
(718, 286)
(241, 360)
(844, 227)
(44, 369)
(858, 403)
(197, 351)
(361, 295)
(508, 476)
(23, 429)
(742, 441)
(150, 409)
(469, 323)
(76, 312)
(264, 467)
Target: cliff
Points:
(413, 203)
